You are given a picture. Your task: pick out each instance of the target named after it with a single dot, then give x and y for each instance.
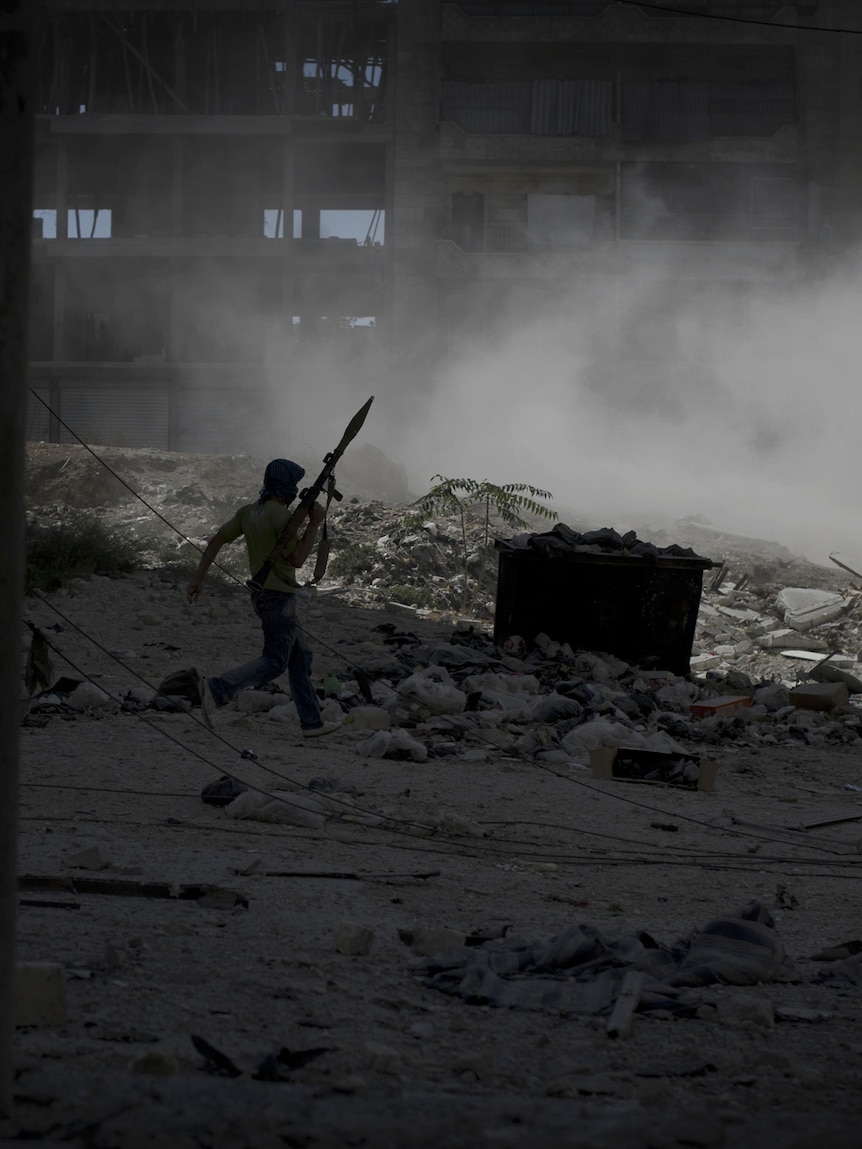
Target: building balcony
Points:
(330, 255)
(630, 259)
(331, 128)
(466, 152)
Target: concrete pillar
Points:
(418, 190)
(16, 211)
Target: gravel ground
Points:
(476, 840)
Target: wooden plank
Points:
(354, 875)
(126, 888)
(831, 821)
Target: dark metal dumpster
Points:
(641, 608)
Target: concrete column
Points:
(846, 219)
(287, 261)
(16, 211)
(62, 198)
(418, 189)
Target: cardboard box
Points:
(678, 771)
(721, 704)
(819, 695)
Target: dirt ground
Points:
(474, 841)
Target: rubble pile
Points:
(556, 705)
(462, 696)
(381, 554)
(756, 640)
(769, 623)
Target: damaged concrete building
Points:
(232, 199)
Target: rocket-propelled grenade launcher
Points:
(325, 481)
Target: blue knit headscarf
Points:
(281, 478)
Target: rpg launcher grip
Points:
(308, 497)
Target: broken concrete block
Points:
(369, 718)
(425, 940)
(804, 607)
(739, 614)
(219, 900)
(477, 1063)
(148, 618)
(93, 858)
(88, 696)
(40, 993)
(745, 1011)
(383, 1058)
(156, 1063)
(785, 639)
(391, 606)
(353, 940)
(112, 958)
(257, 701)
(819, 695)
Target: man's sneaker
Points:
(207, 701)
(319, 731)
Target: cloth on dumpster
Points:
(562, 539)
(580, 970)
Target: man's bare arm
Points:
(207, 558)
(305, 542)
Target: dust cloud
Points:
(754, 430)
(733, 404)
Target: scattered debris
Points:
(280, 806)
(722, 705)
(819, 695)
(628, 999)
(126, 888)
(91, 858)
(353, 940)
(223, 791)
(272, 1068)
(39, 996)
(684, 771)
(579, 971)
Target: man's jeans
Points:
(284, 648)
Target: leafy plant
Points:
(411, 595)
(508, 503)
(83, 546)
(352, 560)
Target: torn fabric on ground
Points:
(580, 970)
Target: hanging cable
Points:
(357, 670)
(498, 847)
(402, 826)
(673, 11)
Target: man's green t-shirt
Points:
(262, 525)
